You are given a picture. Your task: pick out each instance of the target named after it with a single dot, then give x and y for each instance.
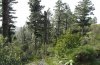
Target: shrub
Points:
(9, 54)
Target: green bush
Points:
(86, 55)
(9, 54)
(65, 43)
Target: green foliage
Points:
(62, 17)
(86, 55)
(95, 33)
(65, 42)
(66, 39)
(83, 11)
(26, 41)
(8, 26)
(52, 61)
(85, 51)
(10, 54)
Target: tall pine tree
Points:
(35, 23)
(7, 22)
(83, 11)
(62, 17)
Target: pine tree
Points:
(35, 23)
(47, 30)
(0, 15)
(0, 8)
(62, 17)
(83, 11)
(67, 16)
(58, 16)
(39, 24)
(7, 22)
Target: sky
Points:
(22, 9)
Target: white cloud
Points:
(22, 12)
(97, 9)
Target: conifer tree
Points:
(7, 22)
(83, 11)
(35, 23)
(62, 17)
(39, 25)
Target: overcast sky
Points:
(22, 8)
